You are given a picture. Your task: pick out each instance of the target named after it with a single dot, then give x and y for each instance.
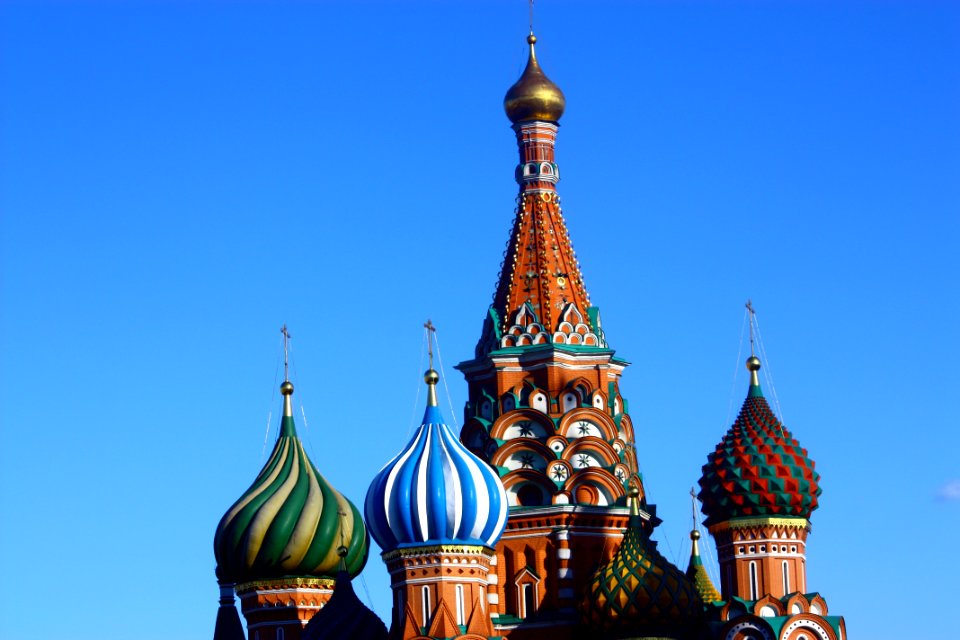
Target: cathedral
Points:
(533, 521)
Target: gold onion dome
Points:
(290, 522)
(534, 96)
(639, 593)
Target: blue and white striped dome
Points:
(435, 491)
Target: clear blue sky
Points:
(179, 179)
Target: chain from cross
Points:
(286, 352)
(429, 328)
(753, 314)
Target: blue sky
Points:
(179, 179)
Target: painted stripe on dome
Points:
(326, 527)
(283, 523)
(241, 522)
(261, 522)
(257, 487)
(420, 506)
(306, 527)
(452, 471)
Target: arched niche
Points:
(587, 421)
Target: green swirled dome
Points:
(290, 522)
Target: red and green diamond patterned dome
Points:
(758, 469)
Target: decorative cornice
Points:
(439, 549)
(746, 523)
(285, 583)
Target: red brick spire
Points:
(540, 297)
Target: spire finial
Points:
(430, 331)
(693, 506)
(431, 377)
(694, 531)
(753, 362)
(633, 499)
(531, 22)
(287, 387)
(286, 352)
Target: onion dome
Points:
(435, 491)
(758, 469)
(290, 521)
(639, 593)
(533, 96)
(344, 617)
(697, 573)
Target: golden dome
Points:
(534, 97)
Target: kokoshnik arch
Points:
(534, 522)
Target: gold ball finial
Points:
(431, 377)
(694, 535)
(753, 363)
(531, 39)
(286, 388)
(634, 492)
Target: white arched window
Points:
(570, 401)
(539, 402)
(425, 605)
(754, 587)
(786, 578)
(461, 608)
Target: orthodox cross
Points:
(429, 328)
(693, 503)
(753, 313)
(531, 16)
(286, 352)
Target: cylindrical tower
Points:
(758, 490)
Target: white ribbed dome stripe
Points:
(435, 492)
